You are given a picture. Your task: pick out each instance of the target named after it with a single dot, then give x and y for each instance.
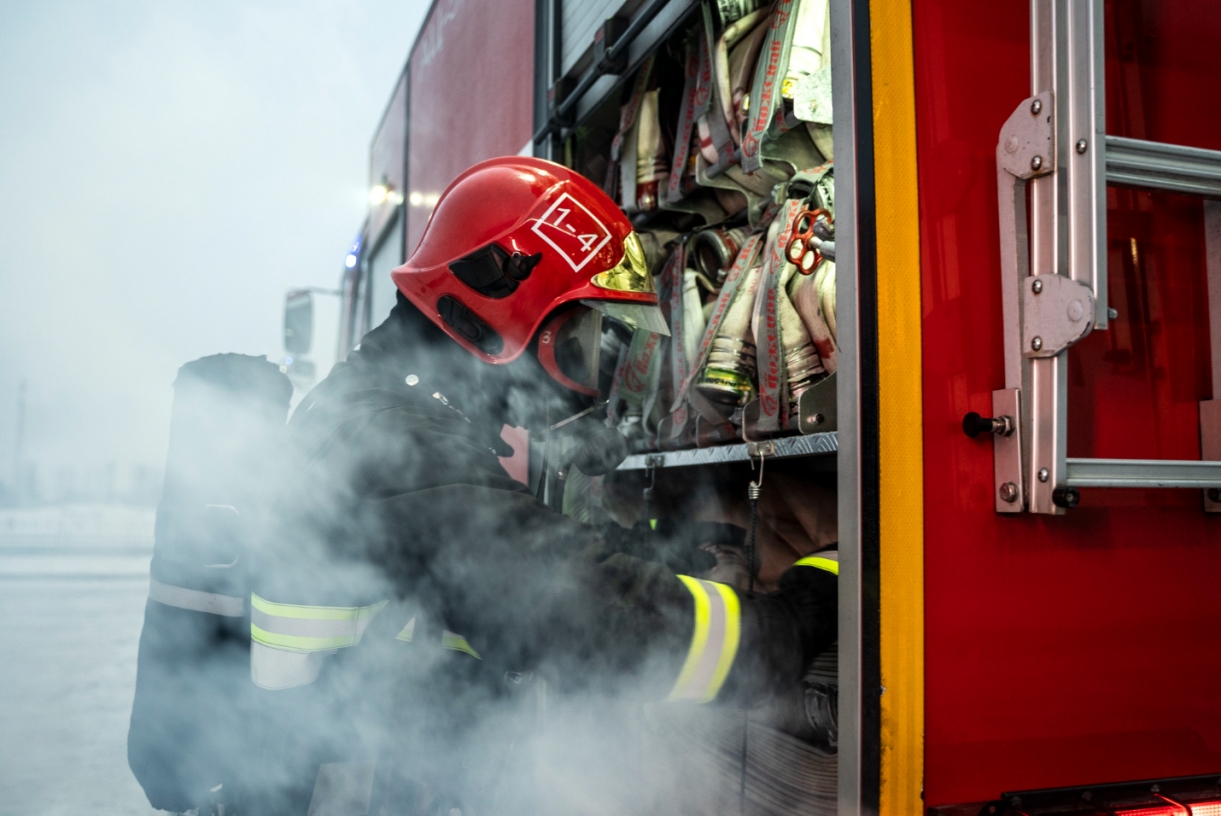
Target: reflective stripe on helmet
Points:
(714, 643)
(308, 628)
(827, 560)
(196, 600)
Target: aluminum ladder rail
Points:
(1054, 267)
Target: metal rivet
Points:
(1036, 287)
(1214, 494)
(1036, 162)
(1082, 144)
(815, 419)
(1112, 314)
(1036, 106)
(1009, 492)
(1044, 475)
(1036, 343)
(412, 379)
(1076, 311)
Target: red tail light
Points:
(1168, 809)
(1173, 796)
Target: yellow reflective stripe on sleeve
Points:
(820, 563)
(408, 632)
(314, 612)
(699, 639)
(714, 641)
(300, 643)
(455, 642)
(301, 628)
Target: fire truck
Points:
(999, 226)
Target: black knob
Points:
(973, 425)
(1066, 497)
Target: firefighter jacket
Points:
(397, 522)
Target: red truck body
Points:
(1063, 650)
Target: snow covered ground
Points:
(73, 581)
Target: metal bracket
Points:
(816, 407)
(1056, 312)
(760, 449)
(654, 460)
(1007, 453)
(1027, 145)
(1025, 150)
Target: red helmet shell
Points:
(524, 205)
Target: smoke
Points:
(389, 496)
(167, 171)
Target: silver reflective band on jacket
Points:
(196, 600)
(714, 641)
(288, 641)
(308, 628)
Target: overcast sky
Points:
(167, 171)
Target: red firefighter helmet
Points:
(511, 241)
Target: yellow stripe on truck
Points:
(900, 401)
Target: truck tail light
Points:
(1168, 809)
(1210, 808)
(1172, 796)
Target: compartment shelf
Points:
(785, 447)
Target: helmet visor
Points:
(636, 315)
(569, 348)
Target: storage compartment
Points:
(719, 148)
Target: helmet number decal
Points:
(573, 231)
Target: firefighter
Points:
(399, 524)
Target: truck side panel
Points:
(1081, 648)
(472, 80)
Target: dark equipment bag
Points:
(189, 739)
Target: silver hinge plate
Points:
(1056, 312)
